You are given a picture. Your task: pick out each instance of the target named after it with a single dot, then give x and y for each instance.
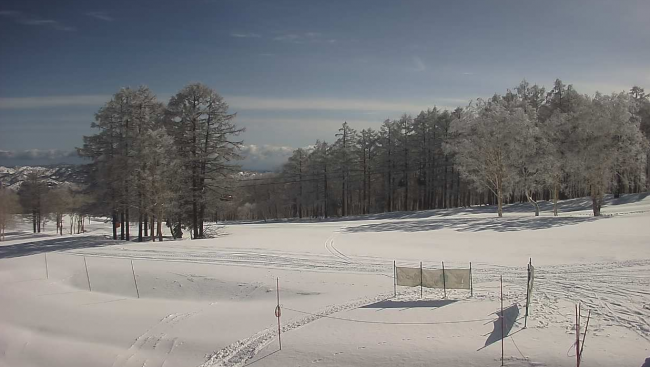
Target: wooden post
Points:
(502, 322)
(87, 276)
(585, 337)
(278, 311)
(444, 279)
(471, 282)
(134, 280)
(47, 273)
(527, 296)
(394, 279)
(420, 279)
(578, 335)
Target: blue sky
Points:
(295, 70)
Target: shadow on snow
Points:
(54, 244)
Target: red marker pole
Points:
(278, 311)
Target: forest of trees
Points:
(524, 146)
(175, 164)
(154, 163)
(37, 201)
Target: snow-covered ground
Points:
(211, 302)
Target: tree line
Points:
(153, 163)
(43, 203)
(526, 145)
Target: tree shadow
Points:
(564, 206)
(411, 304)
(471, 224)
(24, 235)
(54, 244)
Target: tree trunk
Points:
(535, 204)
(153, 233)
(500, 200)
(596, 199)
(556, 193)
(160, 236)
(122, 225)
(595, 203)
(114, 225)
(140, 227)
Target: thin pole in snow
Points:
(134, 280)
(471, 282)
(278, 311)
(578, 335)
(87, 276)
(444, 279)
(585, 337)
(527, 296)
(394, 280)
(502, 323)
(47, 273)
(420, 279)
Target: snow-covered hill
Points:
(216, 297)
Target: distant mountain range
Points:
(59, 175)
(69, 175)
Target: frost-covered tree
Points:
(9, 208)
(366, 156)
(32, 194)
(608, 145)
(204, 135)
(344, 152)
(642, 114)
(294, 170)
(161, 179)
(59, 202)
(486, 148)
(115, 172)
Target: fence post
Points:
(420, 279)
(527, 295)
(47, 273)
(471, 282)
(278, 311)
(394, 279)
(585, 337)
(87, 276)
(502, 323)
(444, 279)
(134, 280)
(578, 335)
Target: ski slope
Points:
(211, 302)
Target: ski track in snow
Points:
(242, 351)
(611, 290)
(141, 352)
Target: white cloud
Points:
(53, 101)
(101, 15)
(37, 154)
(288, 37)
(419, 64)
(307, 37)
(249, 103)
(245, 35)
(265, 157)
(327, 104)
(33, 20)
